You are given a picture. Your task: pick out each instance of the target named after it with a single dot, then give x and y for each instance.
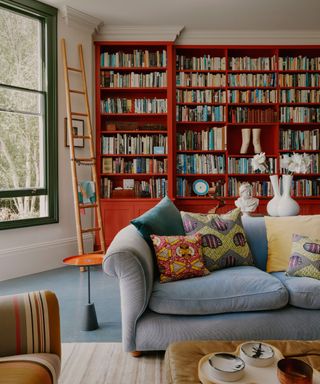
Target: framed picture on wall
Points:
(78, 130)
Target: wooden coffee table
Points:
(181, 358)
(89, 321)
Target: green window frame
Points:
(47, 16)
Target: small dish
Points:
(294, 371)
(257, 354)
(226, 366)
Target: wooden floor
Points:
(106, 363)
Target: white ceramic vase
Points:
(272, 206)
(287, 206)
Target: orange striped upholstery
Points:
(29, 337)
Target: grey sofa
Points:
(230, 304)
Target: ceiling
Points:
(231, 15)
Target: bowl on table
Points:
(294, 371)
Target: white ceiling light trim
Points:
(78, 19)
(138, 33)
(249, 37)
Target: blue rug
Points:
(71, 287)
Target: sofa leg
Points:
(136, 353)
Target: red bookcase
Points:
(164, 120)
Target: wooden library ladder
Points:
(86, 161)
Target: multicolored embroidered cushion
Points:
(305, 257)
(224, 243)
(179, 257)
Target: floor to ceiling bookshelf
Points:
(168, 115)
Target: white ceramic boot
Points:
(245, 140)
(256, 140)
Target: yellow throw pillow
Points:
(279, 235)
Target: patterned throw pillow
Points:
(224, 243)
(179, 257)
(305, 257)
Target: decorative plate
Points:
(200, 187)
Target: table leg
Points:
(89, 322)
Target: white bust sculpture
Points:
(246, 202)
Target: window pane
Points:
(20, 50)
(21, 151)
(21, 101)
(27, 207)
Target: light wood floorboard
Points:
(106, 363)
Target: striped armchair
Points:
(30, 346)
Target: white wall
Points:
(30, 250)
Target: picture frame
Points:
(78, 127)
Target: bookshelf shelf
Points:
(269, 86)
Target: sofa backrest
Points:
(255, 230)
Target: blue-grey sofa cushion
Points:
(304, 292)
(255, 230)
(236, 289)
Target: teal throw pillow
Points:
(163, 219)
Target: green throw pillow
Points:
(224, 242)
(305, 257)
(162, 219)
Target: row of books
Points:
(201, 96)
(243, 165)
(300, 80)
(252, 64)
(306, 187)
(206, 62)
(252, 115)
(252, 80)
(293, 139)
(299, 115)
(184, 79)
(252, 96)
(299, 63)
(205, 164)
(126, 144)
(132, 80)
(184, 187)
(138, 58)
(211, 139)
(153, 188)
(136, 165)
(123, 105)
(201, 113)
(259, 188)
(300, 96)
(314, 163)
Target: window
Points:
(28, 116)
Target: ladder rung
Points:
(94, 229)
(81, 137)
(74, 69)
(79, 114)
(88, 205)
(84, 159)
(76, 91)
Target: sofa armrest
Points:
(129, 258)
(30, 323)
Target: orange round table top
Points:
(84, 260)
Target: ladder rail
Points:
(72, 151)
(91, 161)
(92, 153)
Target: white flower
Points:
(297, 163)
(259, 162)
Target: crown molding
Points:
(295, 37)
(78, 19)
(138, 33)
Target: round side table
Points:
(89, 321)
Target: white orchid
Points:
(297, 163)
(259, 162)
